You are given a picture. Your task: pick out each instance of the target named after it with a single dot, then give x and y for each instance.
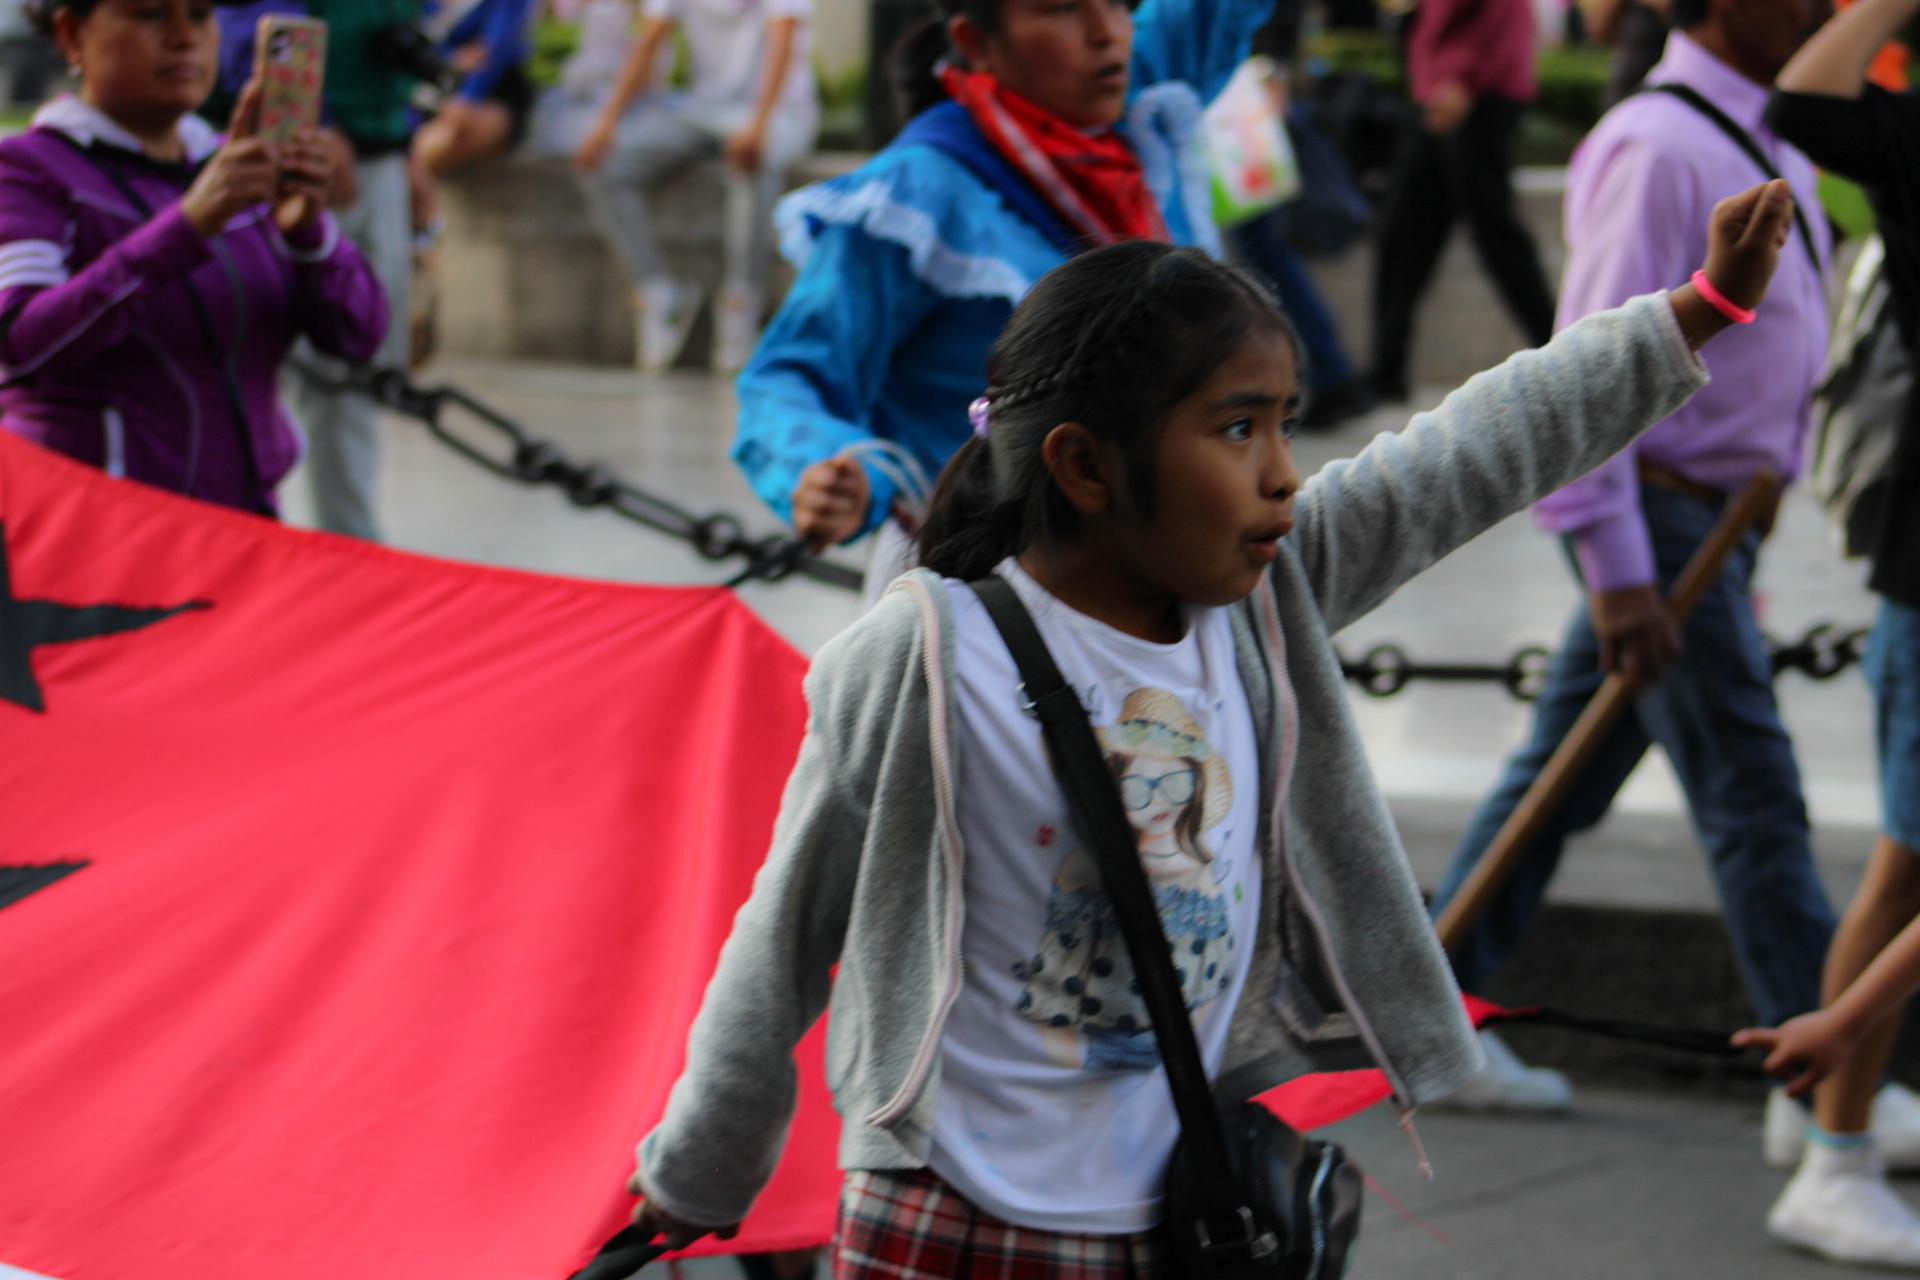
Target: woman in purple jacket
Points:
(154, 277)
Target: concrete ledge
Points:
(524, 273)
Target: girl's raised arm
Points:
(1514, 434)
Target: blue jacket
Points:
(911, 265)
(505, 27)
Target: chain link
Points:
(1822, 653)
(489, 438)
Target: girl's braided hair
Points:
(1112, 340)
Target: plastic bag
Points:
(1248, 150)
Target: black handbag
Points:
(1246, 1195)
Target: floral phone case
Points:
(289, 62)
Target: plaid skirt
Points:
(906, 1224)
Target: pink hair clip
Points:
(979, 414)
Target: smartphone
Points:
(289, 64)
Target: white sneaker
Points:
(1896, 1128)
(736, 328)
(1783, 1130)
(667, 310)
(1508, 1084)
(1839, 1205)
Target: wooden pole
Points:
(1590, 730)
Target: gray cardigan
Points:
(865, 867)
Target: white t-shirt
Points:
(727, 46)
(606, 36)
(1054, 1110)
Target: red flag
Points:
(353, 904)
(1311, 1102)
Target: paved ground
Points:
(1648, 1186)
(1631, 1186)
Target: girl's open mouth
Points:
(1266, 543)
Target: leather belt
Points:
(1665, 477)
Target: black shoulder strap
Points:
(1094, 798)
(1742, 139)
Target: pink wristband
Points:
(1721, 302)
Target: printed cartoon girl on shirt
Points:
(1079, 985)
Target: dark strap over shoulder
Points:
(1742, 139)
(1094, 798)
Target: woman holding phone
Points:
(153, 276)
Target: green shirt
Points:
(367, 100)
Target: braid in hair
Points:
(1111, 340)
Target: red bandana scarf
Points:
(1095, 182)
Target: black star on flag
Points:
(27, 624)
(16, 882)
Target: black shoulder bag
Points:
(1246, 1195)
(1741, 139)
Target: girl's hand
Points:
(1805, 1050)
(830, 502)
(1744, 238)
(306, 177)
(657, 1222)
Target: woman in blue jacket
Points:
(488, 42)
(1049, 127)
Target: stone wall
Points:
(526, 275)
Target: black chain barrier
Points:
(512, 453)
(1386, 669)
(1820, 654)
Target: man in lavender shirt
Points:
(1638, 193)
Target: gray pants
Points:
(343, 427)
(666, 139)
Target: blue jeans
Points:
(1893, 669)
(1714, 714)
(1257, 243)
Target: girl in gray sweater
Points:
(1004, 1109)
